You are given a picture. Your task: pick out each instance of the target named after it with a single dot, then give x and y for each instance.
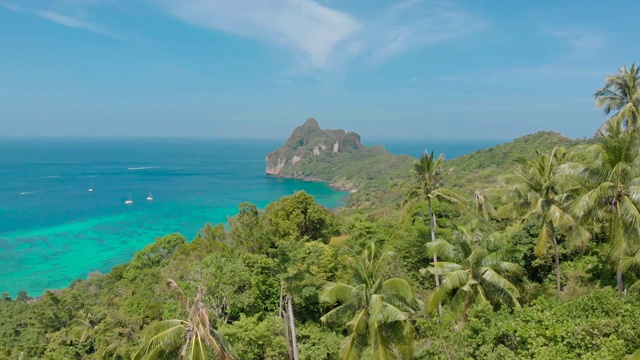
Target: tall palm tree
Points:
(189, 339)
(427, 173)
(611, 174)
(378, 310)
(539, 192)
(621, 94)
(475, 272)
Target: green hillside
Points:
(481, 169)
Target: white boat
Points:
(129, 201)
(150, 197)
(90, 190)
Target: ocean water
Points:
(53, 230)
(450, 148)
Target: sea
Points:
(62, 201)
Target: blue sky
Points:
(257, 68)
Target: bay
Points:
(53, 230)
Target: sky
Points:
(413, 69)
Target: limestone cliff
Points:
(335, 156)
(308, 141)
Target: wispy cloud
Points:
(416, 23)
(326, 36)
(301, 25)
(72, 22)
(319, 36)
(582, 44)
(67, 20)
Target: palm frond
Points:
(165, 336)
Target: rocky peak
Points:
(309, 140)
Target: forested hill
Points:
(380, 177)
(481, 169)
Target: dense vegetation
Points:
(529, 250)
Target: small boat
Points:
(150, 197)
(90, 190)
(129, 201)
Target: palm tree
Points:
(427, 172)
(611, 175)
(482, 204)
(85, 327)
(379, 310)
(476, 270)
(621, 93)
(539, 192)
(189, 339)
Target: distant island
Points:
(339, 158)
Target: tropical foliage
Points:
(377, 310)
(428, 177)
(190, 339)
(611, 174)
(476, 271)
(539, 191)
(621, 94)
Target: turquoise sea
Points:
(53, 230)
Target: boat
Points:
(150, 197)
(90, 190)
(129, 201)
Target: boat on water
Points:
(90, 190)
(129, 201)
(150, 197)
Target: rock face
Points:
(306, 142)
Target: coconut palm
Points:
(482, 205)
(539, 191)
(427, 173)
(189, 339)
(611, 174)
(85, 326)
(476, 270)
(378, 310)
(621, 94)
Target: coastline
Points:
(335, 186)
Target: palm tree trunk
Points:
(283, 313)
(292, 327)
(619, 279)
(558, 270)
(432, 222)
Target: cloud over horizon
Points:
(320, 37)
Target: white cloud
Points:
(302, 25)
(326, 36)
(321, 37)
(415, 23)
(70, 21)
